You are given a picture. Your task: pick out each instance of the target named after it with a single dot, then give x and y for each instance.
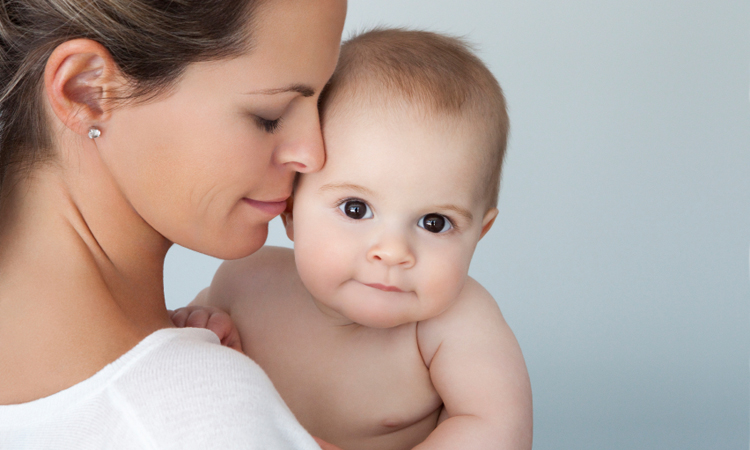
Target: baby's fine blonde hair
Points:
(439, 74)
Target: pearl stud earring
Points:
(94, 132)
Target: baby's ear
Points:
(287, 219)
(489, 219)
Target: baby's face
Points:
(385, 232)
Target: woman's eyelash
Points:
(269, 126)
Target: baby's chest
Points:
(367, 385)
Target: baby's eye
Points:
(356, 209)
(435, 223)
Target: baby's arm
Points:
(477, 368)
(236, 280)
(240, 280)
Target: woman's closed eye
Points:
(435, 223)
(267, 125)
(355, 209)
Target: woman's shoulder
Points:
(188, 365)
(195, 393)
(176, 352)
(178, 388)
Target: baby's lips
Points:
(385, 288)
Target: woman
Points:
(126, 127)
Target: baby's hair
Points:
(439, 74)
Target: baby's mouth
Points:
(383, 287)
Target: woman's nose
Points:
(303, 149)
(392, 250)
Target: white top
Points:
(176, 389)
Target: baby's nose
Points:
(392, 251)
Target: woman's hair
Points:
(151, 41)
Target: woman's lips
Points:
(270, 208)
(384, 288)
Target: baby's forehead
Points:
(398, 116)
(370, 94)
(376, 104)
(391, 139)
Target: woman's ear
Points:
(80, 80)
(488, 220)
(288, 219)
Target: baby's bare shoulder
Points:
(473, 312)
(477, 368)
(473, 303)
(253, 278)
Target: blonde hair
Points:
(151, 41)
(436, 72)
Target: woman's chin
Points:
(234, 245)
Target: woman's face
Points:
(210, 164)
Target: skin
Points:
(338, 257)
(83, 239)
(426, 359)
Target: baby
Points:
(371, 329)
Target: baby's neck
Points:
(330, 317)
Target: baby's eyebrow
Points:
(465, 213)
(346, 187)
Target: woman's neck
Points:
(81, 281)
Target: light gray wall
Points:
(620, 257)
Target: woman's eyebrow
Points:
(303, 89)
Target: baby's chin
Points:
(378, 317)
(366, 306)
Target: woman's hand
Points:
(213, 319)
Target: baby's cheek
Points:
(322, 263)
(445, 282)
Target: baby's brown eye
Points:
(356, 209)
(435, 223)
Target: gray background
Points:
(620, 256)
